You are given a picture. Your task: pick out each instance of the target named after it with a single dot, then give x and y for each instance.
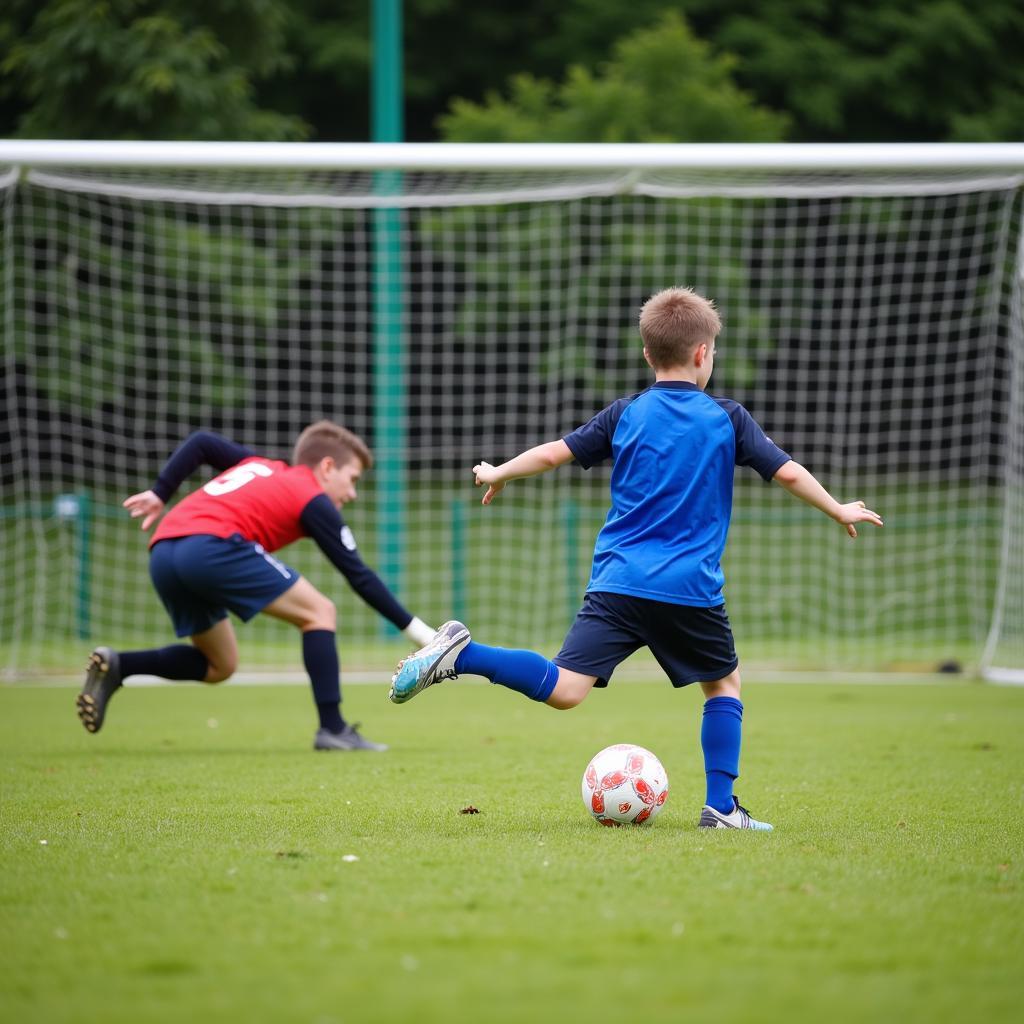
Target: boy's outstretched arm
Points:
(199, 448)
(323, 523)
(802, 484)
(537, 460)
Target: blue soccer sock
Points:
(178, 662)
(523, 671)
(720, 734)
(320, 656)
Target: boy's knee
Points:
(563, 702)
(221, 671)
(727, 686)
(569, 692)
(323, 615)
(331, 615)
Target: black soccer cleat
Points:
(102, 680)
(348, 739)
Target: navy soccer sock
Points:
(178, 662)
(720, 734)
(523, 671)
(320, 655)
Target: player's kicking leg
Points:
(452, 652)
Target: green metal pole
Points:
(386, 109)
(458, 559)
(571, 524)
(83, 558)
(390, 357)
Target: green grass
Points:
(194, 865)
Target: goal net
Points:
(872, 324)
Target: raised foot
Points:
(102, 680)
(431, 664)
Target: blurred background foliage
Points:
(581, 70)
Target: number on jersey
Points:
(237, 476)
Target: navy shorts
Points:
(201, 578)
(690, 644)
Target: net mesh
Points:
(1003, 657)
(872, 326)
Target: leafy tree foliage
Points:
(130, 69)
(452, 48)
(661, 85)
(871, 70)
(875, 70)
(886, 70)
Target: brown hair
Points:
(325, 438)
(674, 322)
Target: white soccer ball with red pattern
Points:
(625, 785)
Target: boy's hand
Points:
(486, 474)
(856, 512)
(146, 504)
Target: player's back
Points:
(259, 499)
(674, 451)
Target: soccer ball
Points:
(625, 785)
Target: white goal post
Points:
(457, 302)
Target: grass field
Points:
(196, 861)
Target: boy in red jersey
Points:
(212, 553)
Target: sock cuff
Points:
(316, 636)
(547, 687)
(724, 706)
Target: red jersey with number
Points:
(261, 499)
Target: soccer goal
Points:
(453, 303)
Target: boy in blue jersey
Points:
(657, 577)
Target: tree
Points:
(878, 70)
(135, 69)
(451, 48)
(661, 85)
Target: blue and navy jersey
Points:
(674, 450)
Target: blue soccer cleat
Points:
(739, 818)
(431, 664)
